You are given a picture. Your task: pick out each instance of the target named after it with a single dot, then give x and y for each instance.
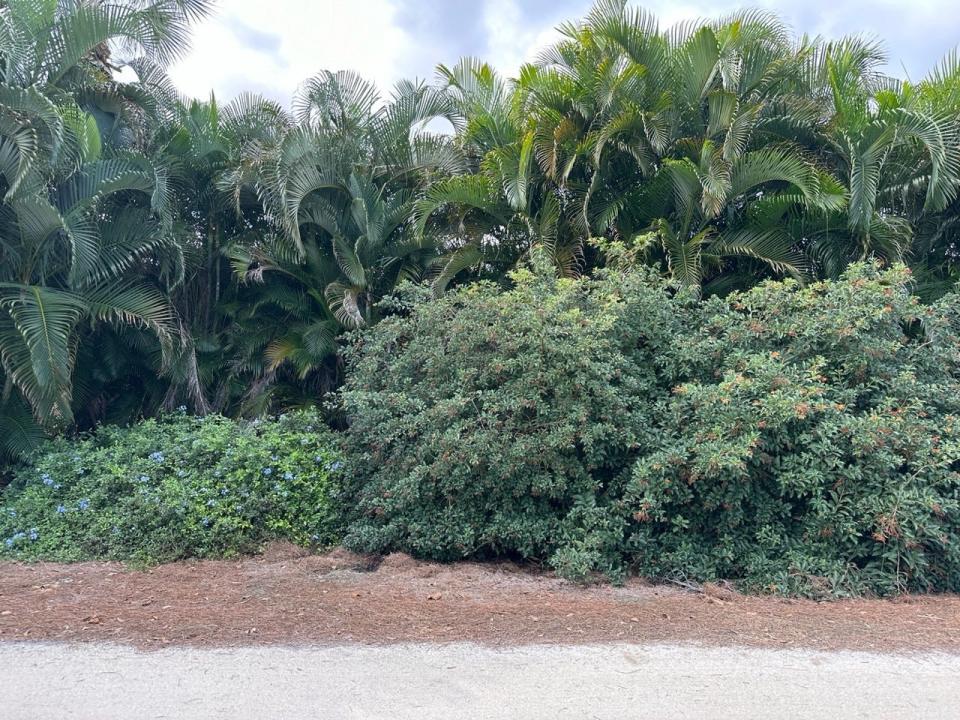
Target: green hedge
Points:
(495, 423)
(171, 488)
(801, 439)
(812, 445)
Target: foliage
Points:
(157, 250)
(802, 439)
(644, 398)
(747, 152)
(171, 488)
(812, 445)
(85, 215)
(491, 423)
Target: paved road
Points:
(107, 682)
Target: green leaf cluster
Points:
(801, 439)
(176, 487)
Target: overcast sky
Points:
(271, 46)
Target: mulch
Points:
(288, 597)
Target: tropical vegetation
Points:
(530, 303)
(803, 439)
(174, 487)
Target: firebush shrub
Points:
(802, 439)
(494, 422)
(812, 444)
(171, 488)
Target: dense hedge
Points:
(802, 439)
(496, 422)
(172, 488)
(812, 444)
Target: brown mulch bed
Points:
(288, 597)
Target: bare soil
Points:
(288, 597)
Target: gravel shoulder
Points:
(113, 682)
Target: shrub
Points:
(494, 422)
(803, 439)
(813, 446)
(172, 488)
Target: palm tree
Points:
(503, 206)
(934, 251)
(85, 216)
(338, 184)
(679, 134)
(897, 154)
(731, 149)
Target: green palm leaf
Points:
(37, 347)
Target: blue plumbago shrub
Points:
(171, 488)
(801, 439)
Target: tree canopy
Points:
(158, 251)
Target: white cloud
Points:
(271, 46)
(511, 39)
(311, 35)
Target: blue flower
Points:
(34, 534)
(288, 475)
(144, 478)
(83, 504)
(318, 459)
(336, 466)
(14, 539)
(157, 457)
(205, 521)
(47, 480)
(225, 491)
(268, 471)
(182, 408)
(211, 503)
(274, 458)
(61, 509)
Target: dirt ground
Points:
(288, 597)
